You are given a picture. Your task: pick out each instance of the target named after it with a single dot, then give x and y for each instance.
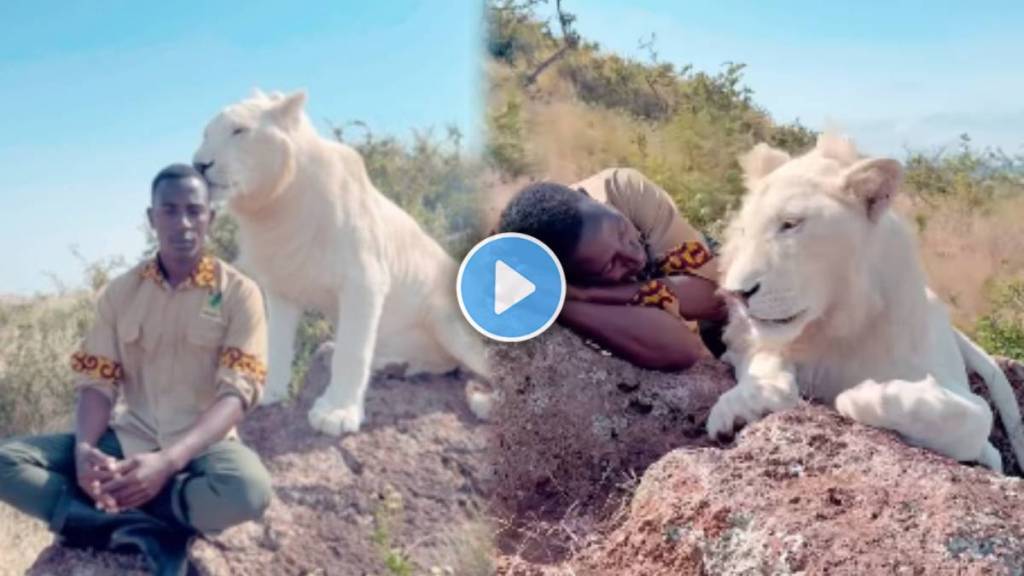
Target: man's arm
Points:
(698, 299)
(98, 374)
(212, 426)
(647, 337)
(92, 416)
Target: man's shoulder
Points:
(233, 276)
(597, 185)
(235, 283)
(127, 282)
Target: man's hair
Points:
(175, 172)
(550, 212)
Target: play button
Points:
(510, 287)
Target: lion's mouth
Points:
(778, 321)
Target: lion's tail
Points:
(999, 389)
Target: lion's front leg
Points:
(765, 383)
(953, 423)
(283, 319)
(340, 408)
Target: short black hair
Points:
(176, 172)
(550, 212)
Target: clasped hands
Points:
(117, 485)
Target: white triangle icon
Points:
(510, 287)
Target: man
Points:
(181, 339)
(639, 275)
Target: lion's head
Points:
(796, 252)
(248, 149)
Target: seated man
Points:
(181, 338)
(639, 275)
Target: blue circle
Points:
(521, 261)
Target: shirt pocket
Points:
(134, 344)
(206, 334)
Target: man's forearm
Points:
(211, 427)
(647, 337)
(92, 416)
(697, 296)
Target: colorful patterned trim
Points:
(246, 364)
(657, 294)
(684, 258)
(203, 276)
(98, 367)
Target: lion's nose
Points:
(745, 294)
(203, 166)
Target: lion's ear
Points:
(761, 161)
(288, 110)
(873, 183)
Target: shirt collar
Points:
(204, 275)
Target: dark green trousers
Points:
(224, 486)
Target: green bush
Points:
(681, 127)
(1002, 330)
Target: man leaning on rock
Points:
(181, 339)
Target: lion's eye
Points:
(239, 130)
(790, 224)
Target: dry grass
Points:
(966, 252)
(21, 541)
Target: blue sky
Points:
(891, 73)
(97, 96)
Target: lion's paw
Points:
(481, 400)
(335, 420)
(728, 413)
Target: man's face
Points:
(610, 250)
(180, 215)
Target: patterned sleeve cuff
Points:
(686, 257)
(243, 375)
(657, 294)
(97, 372)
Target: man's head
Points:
(180, 212)
(595, 243)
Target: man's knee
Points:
(250, 493)
(12, 456)
(242, 491)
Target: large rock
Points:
(807, 491)
(406, 492)
(804, 490)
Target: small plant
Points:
(387, 514)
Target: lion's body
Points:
(324, 238)
(832, 302)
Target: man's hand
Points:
(141, 478)
(92, 469)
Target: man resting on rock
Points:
(641, 278)
(181, 339)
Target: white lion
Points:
(316, 234)
(829, 299)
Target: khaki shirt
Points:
(672, 242)
(170, 353)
